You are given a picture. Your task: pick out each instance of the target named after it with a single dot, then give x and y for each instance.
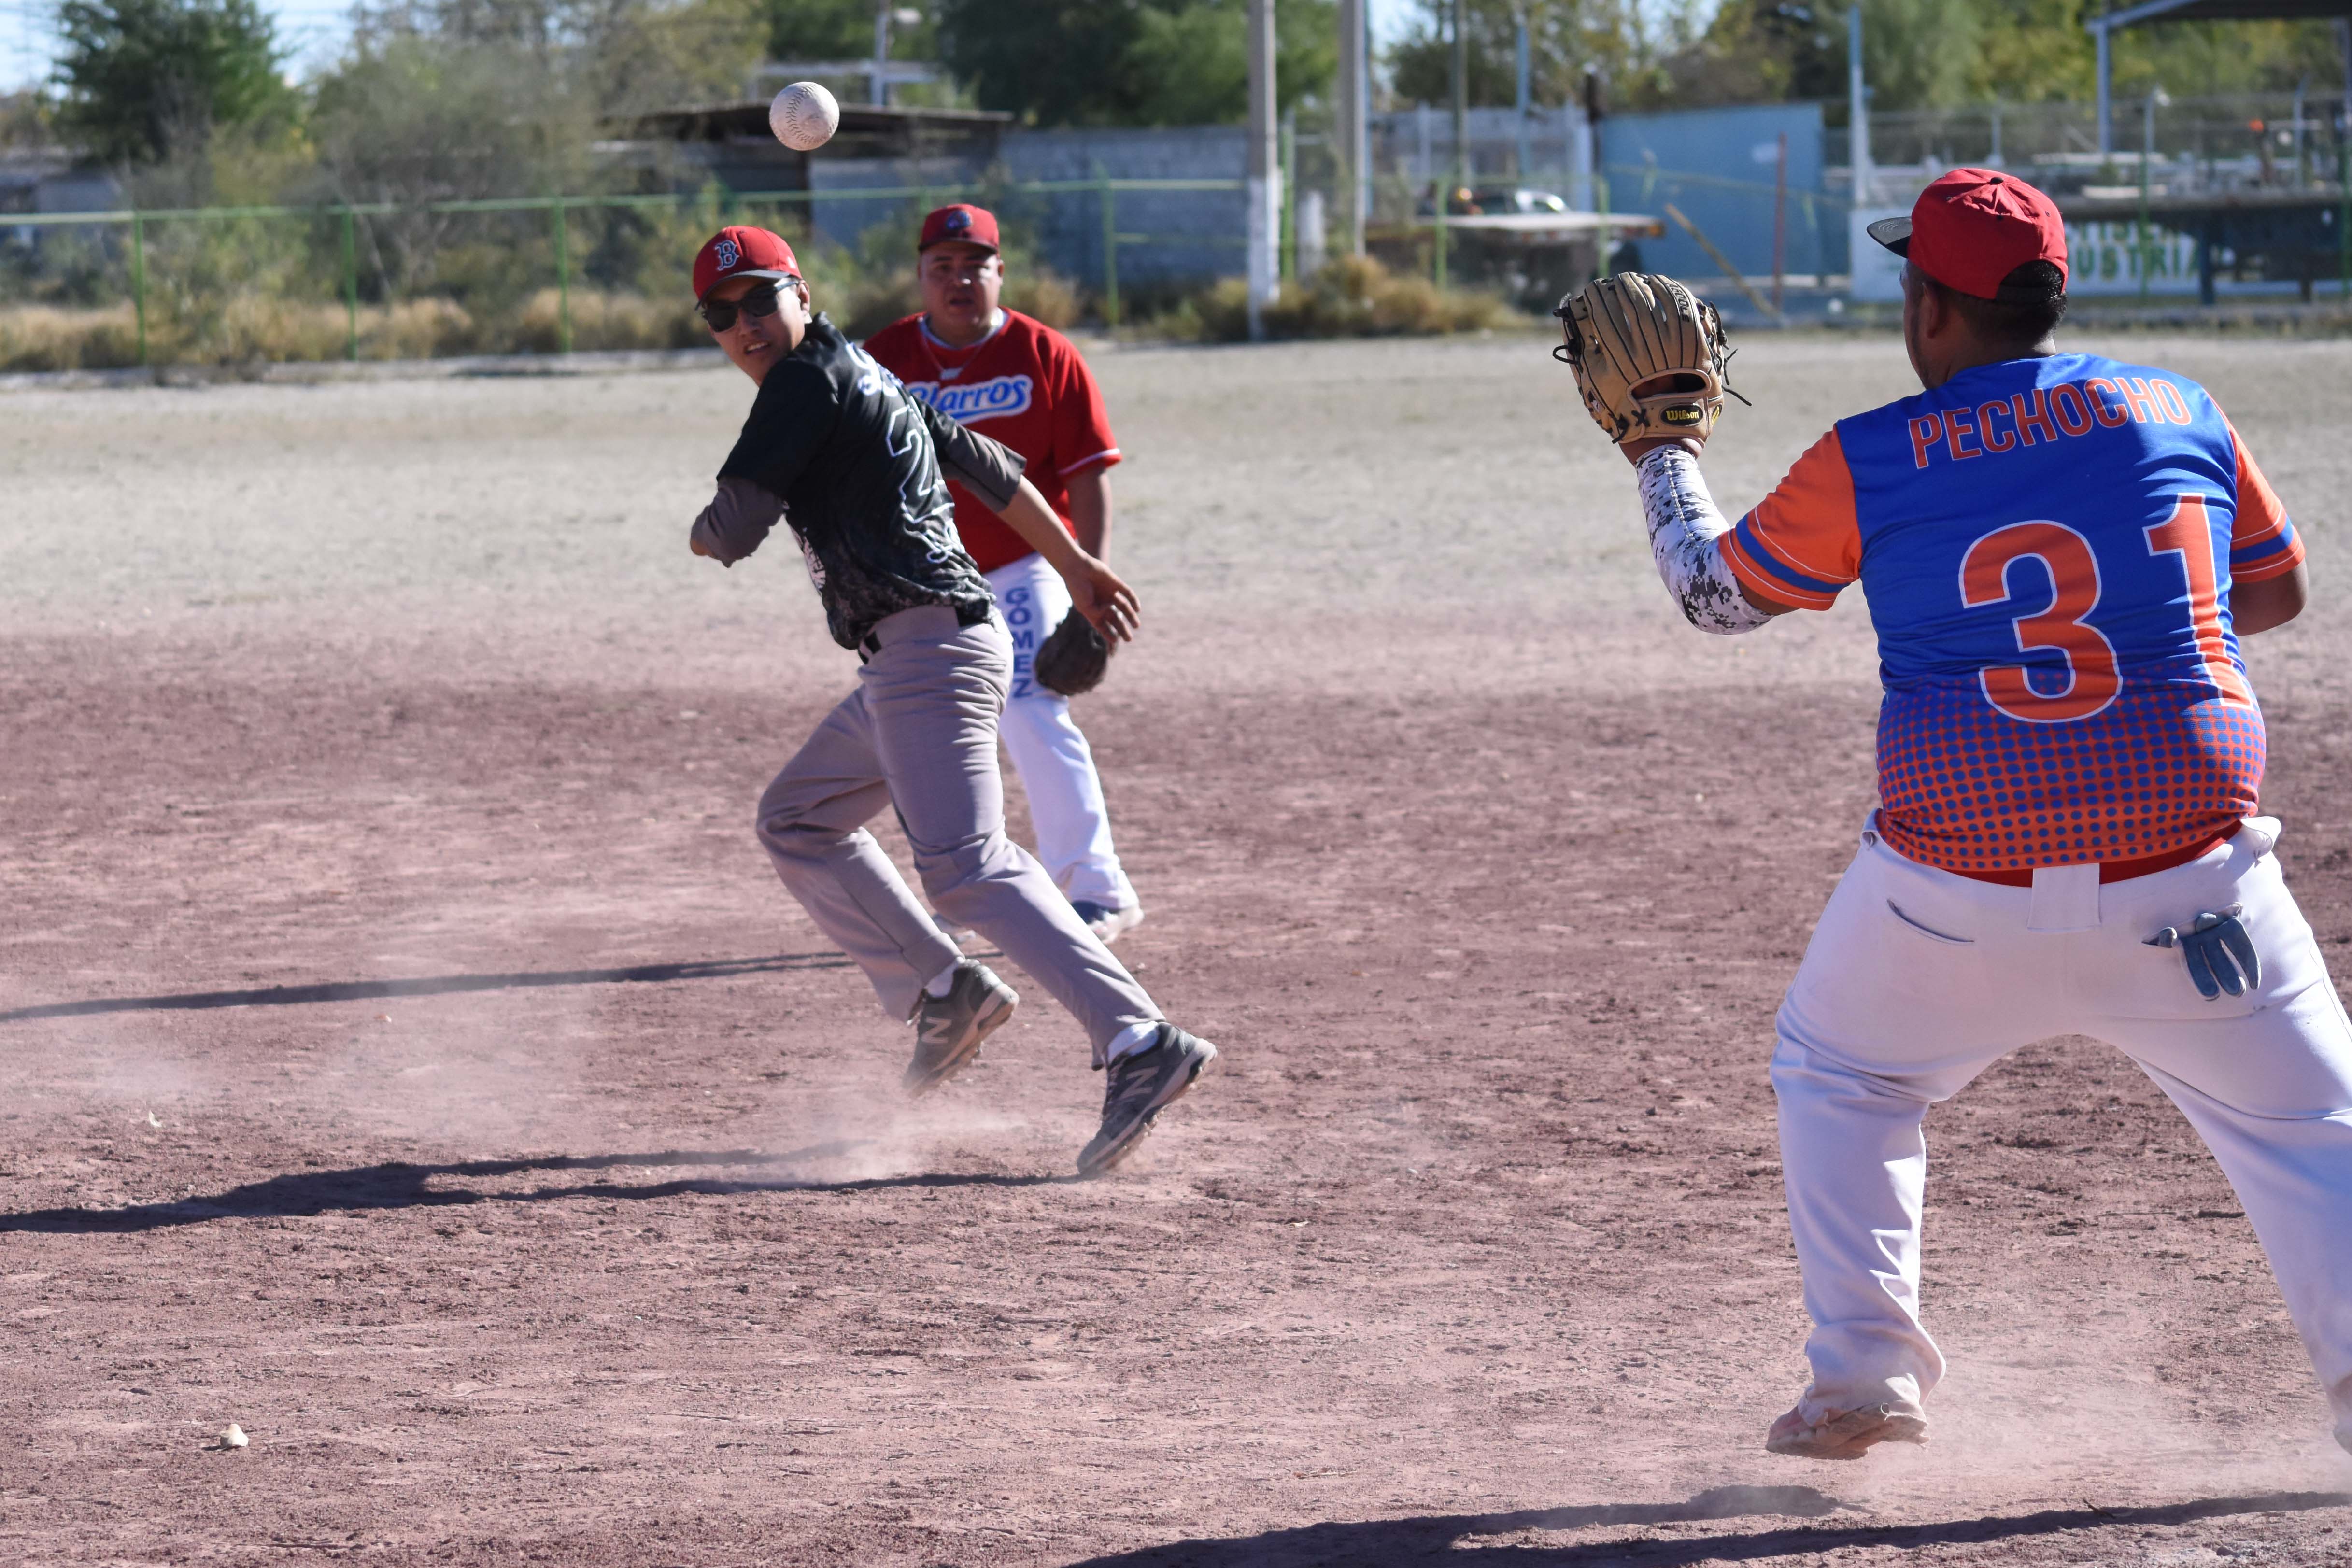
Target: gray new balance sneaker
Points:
(1140, 1085)
(949, 1030)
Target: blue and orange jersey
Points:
(2048, 546)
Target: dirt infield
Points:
(407, 1053)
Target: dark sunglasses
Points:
(721, 313)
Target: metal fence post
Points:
(139, 279)
(1285, 258)
(563, 282)
(2344, 213)
(350, 287)
(1110, 245)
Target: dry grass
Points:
(602, 321)
(255, 330)
(1354, 297)
(46, 338)
(259, 329)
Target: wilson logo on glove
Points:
(1649, 356)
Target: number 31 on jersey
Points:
(2063, 627)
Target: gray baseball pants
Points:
(919, 732)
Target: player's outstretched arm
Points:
(1096, 593)
(1685, 526)
(738, 518)
(2263, 606)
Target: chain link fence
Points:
(517, 274)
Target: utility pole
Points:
(877, 81)
(1461, 96)
(2098, 26)
(1264, 186)
(1858, 98)
(1526, 102)
(1458, 172)
(1351, 130)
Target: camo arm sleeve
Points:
(1684, 531)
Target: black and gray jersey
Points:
(856, 464)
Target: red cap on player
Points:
(963, 224)
(1973, 227)
(738, 252)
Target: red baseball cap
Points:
(738, 252)
(1973, 227)
(963, 224)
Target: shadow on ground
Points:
(429, 985)
(401, 1185)
(1453, 1539)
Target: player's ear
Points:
(1935, 313)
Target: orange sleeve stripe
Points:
(2281, 554)
(1767, 585)
(1807, 526)
(2263, 571)
(2261, 513)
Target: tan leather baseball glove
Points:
(1649, 355)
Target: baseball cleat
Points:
(1846, 1433)
(1139, 1086)
(1104, 922)
(949, 1030)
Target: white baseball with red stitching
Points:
(804, 116)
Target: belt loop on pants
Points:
(2065, 898)
(922, 620)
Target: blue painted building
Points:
(1718, 166)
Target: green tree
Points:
(1945, 54)
(1153, 62)
(1565, 39)
(143, 80)
(843, 30)
(24, 120)
(415, 118)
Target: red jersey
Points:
(1025, 385)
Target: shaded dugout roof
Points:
(2103, 29)
(2221, 11)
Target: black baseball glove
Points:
(1073, 660)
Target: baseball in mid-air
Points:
(804, 117)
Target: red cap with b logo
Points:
(1973, 227)
(963, 224)
(737, 252)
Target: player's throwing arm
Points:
(2061, 554)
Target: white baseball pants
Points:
(1916, 980)
(1056, 766)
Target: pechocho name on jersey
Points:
(2023, 419)
(996, 398)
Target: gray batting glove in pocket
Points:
(2220, 954)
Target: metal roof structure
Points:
(2221, 11)
(2103, 29)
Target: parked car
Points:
(1492, 198)
(1484, 201)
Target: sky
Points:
(312, 30)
